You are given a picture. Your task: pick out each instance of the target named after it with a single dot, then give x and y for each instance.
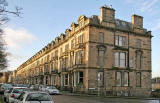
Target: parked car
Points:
(156, 93)
(5, 87)
(15, 92)
(52, 90)
(34, 97)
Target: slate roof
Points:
(120, 24)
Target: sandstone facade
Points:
(100, 54)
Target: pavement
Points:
(94, 99)
(67, 93)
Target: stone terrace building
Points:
(156, 83)
(100, 54)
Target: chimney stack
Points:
(137, 21)
(107, 14)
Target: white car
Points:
(34, 97)
(16, 91)
(52, 90)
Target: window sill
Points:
(124, 48)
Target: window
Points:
(71, 61)
(81, 57)
(120, 40)
(120, 59)
(56, 64)
(101, 54)
(66, 79)
(138, 79)
(139, 60)
(122, 80)
(61, 51)
(118, 79)
(41, 61)
(138, 43)
(63, 63)
(51, 66)
(101, 37)
(80, 75)
(76, 58)
(41, 70)
(100, 79)
(74, 78)
(66, 47)
(72, 44)
(125, 79)
(116, 59)
(80, 39)
(56, 53)
(48, 58)
(66, 62)
(131, 62)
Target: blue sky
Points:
(43, 20)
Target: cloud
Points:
(157, 26)
(143, 5)
(148, 5)
(18, 38)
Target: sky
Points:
(43, 20)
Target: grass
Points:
(1, 101)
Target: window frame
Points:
(120, 41)
(127, 84)
(65, 75)
(101, 57)
(80, 78)
(118, 85)
(118, 59)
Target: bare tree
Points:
(4, 19)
